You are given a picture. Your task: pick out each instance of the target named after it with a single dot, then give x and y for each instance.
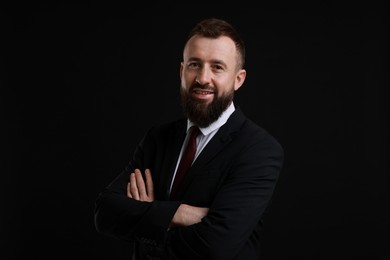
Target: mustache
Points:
(202, 86)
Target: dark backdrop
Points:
(81, 83)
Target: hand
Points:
(137, 189)
(187, 215)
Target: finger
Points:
(128, 190)
(149, 184)
(140, 184)
(133, 187)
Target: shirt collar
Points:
(216, 124)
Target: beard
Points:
(200, 113)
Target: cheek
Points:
(224, 87)
(185, 84)
(187, 79)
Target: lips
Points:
(203, 92)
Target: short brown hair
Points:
(214, 28)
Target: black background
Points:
(81, 83)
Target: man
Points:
(216, 211)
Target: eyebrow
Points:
(214, 61)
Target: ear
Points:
(240, 78)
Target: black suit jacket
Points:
(235, 176)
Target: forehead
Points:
(221, 48)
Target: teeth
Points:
(202, 92)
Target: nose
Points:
(203, 77)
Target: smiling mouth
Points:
(203, 92)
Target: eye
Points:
(218, 67)
(193, 65)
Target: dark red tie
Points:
(186, 159)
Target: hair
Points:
(214, 28)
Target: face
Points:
(209, 77)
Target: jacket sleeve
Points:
(127, 219)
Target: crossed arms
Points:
(220, 215)
(143, 190)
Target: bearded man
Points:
(198, 187)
